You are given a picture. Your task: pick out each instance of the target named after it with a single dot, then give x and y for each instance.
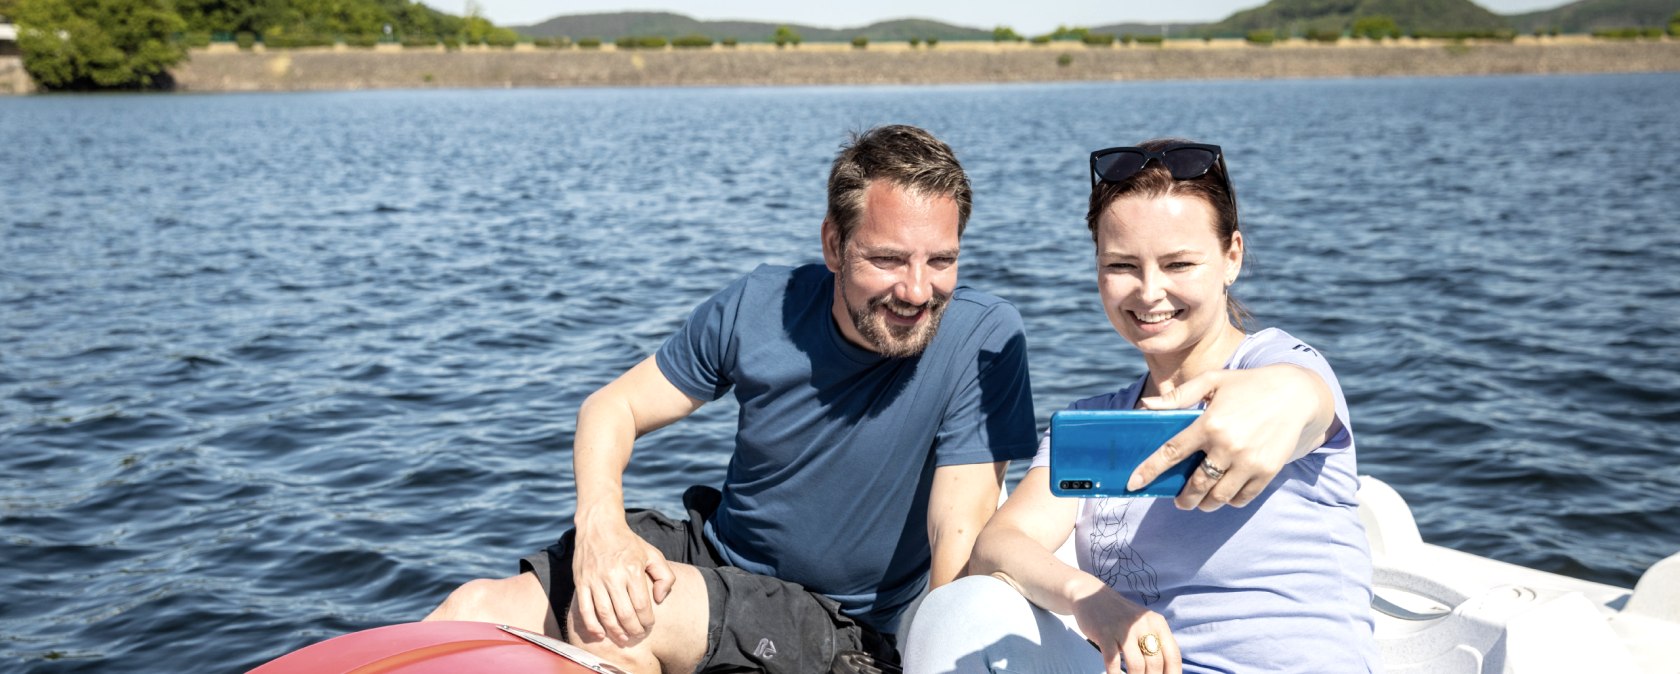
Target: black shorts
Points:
(757, 623)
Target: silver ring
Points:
(1212, 473)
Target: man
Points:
(880, 404)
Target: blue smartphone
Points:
(1093, 452)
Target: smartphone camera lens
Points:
(1075, 485)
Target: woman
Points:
(1280, 583)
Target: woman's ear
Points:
(1234, 259)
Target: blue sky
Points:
(1040, 16)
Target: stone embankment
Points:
(13, 79)
(224, 68)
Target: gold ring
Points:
(1212, 473)
(1149, 644)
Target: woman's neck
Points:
(1206, 355)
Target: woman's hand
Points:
(1124, 630)
(1256, 421)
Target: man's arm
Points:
(618, 575)
(963, 497)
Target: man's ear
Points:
(831, 245)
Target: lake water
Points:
(278, 367)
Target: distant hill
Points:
(1133, 28)
(1295, 17)
(621, 24)
(1589, 15)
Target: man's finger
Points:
(1170, 454)
(586, 610)
(638, 590)
(663, 577)
(624, 615)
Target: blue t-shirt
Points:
(836, 445)
(1282, 585)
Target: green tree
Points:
(1674, 24)
(785, 36)
(1005, 34)
(1375, 27)
(7, 8)
(98, 44)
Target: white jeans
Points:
(982, 625)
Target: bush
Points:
(785, 36)
(557, 42)
(1064, 60)
(284, 39)
(245, 39)
(1322, 35)
(1155, 40)
(1375, 27)
(1041, 40)
(1127, 38)
(1503, 35)
(860, 42)
(196, 39)
(98, 45)
(1005, 34)
(932, 42)
(915, 42)
(364, 41)
(1674, 24)
(1653, 33)
(625, 42)
(1264, 38)
(420, 42)
(1618, 33)
(589, 43)
(692, 42)
(730, 42)
(1098, 40)
(452, 43)
(504, 38)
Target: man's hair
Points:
(906, 156)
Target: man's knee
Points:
(518, 601)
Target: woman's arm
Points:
(1256, 421)
(1017, 547)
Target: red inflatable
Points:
(438, 648)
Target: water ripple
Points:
(277, 367)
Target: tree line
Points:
(104, 44)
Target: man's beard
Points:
(895, 341)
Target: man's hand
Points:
(619, 577)
(1256, 421)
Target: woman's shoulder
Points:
(1271, 346)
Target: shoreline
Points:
(223, 68)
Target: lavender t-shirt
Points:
(1282, 585)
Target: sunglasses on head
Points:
(1184, 161)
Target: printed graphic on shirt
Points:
(1116, 562)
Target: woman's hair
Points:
(1154, 181)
